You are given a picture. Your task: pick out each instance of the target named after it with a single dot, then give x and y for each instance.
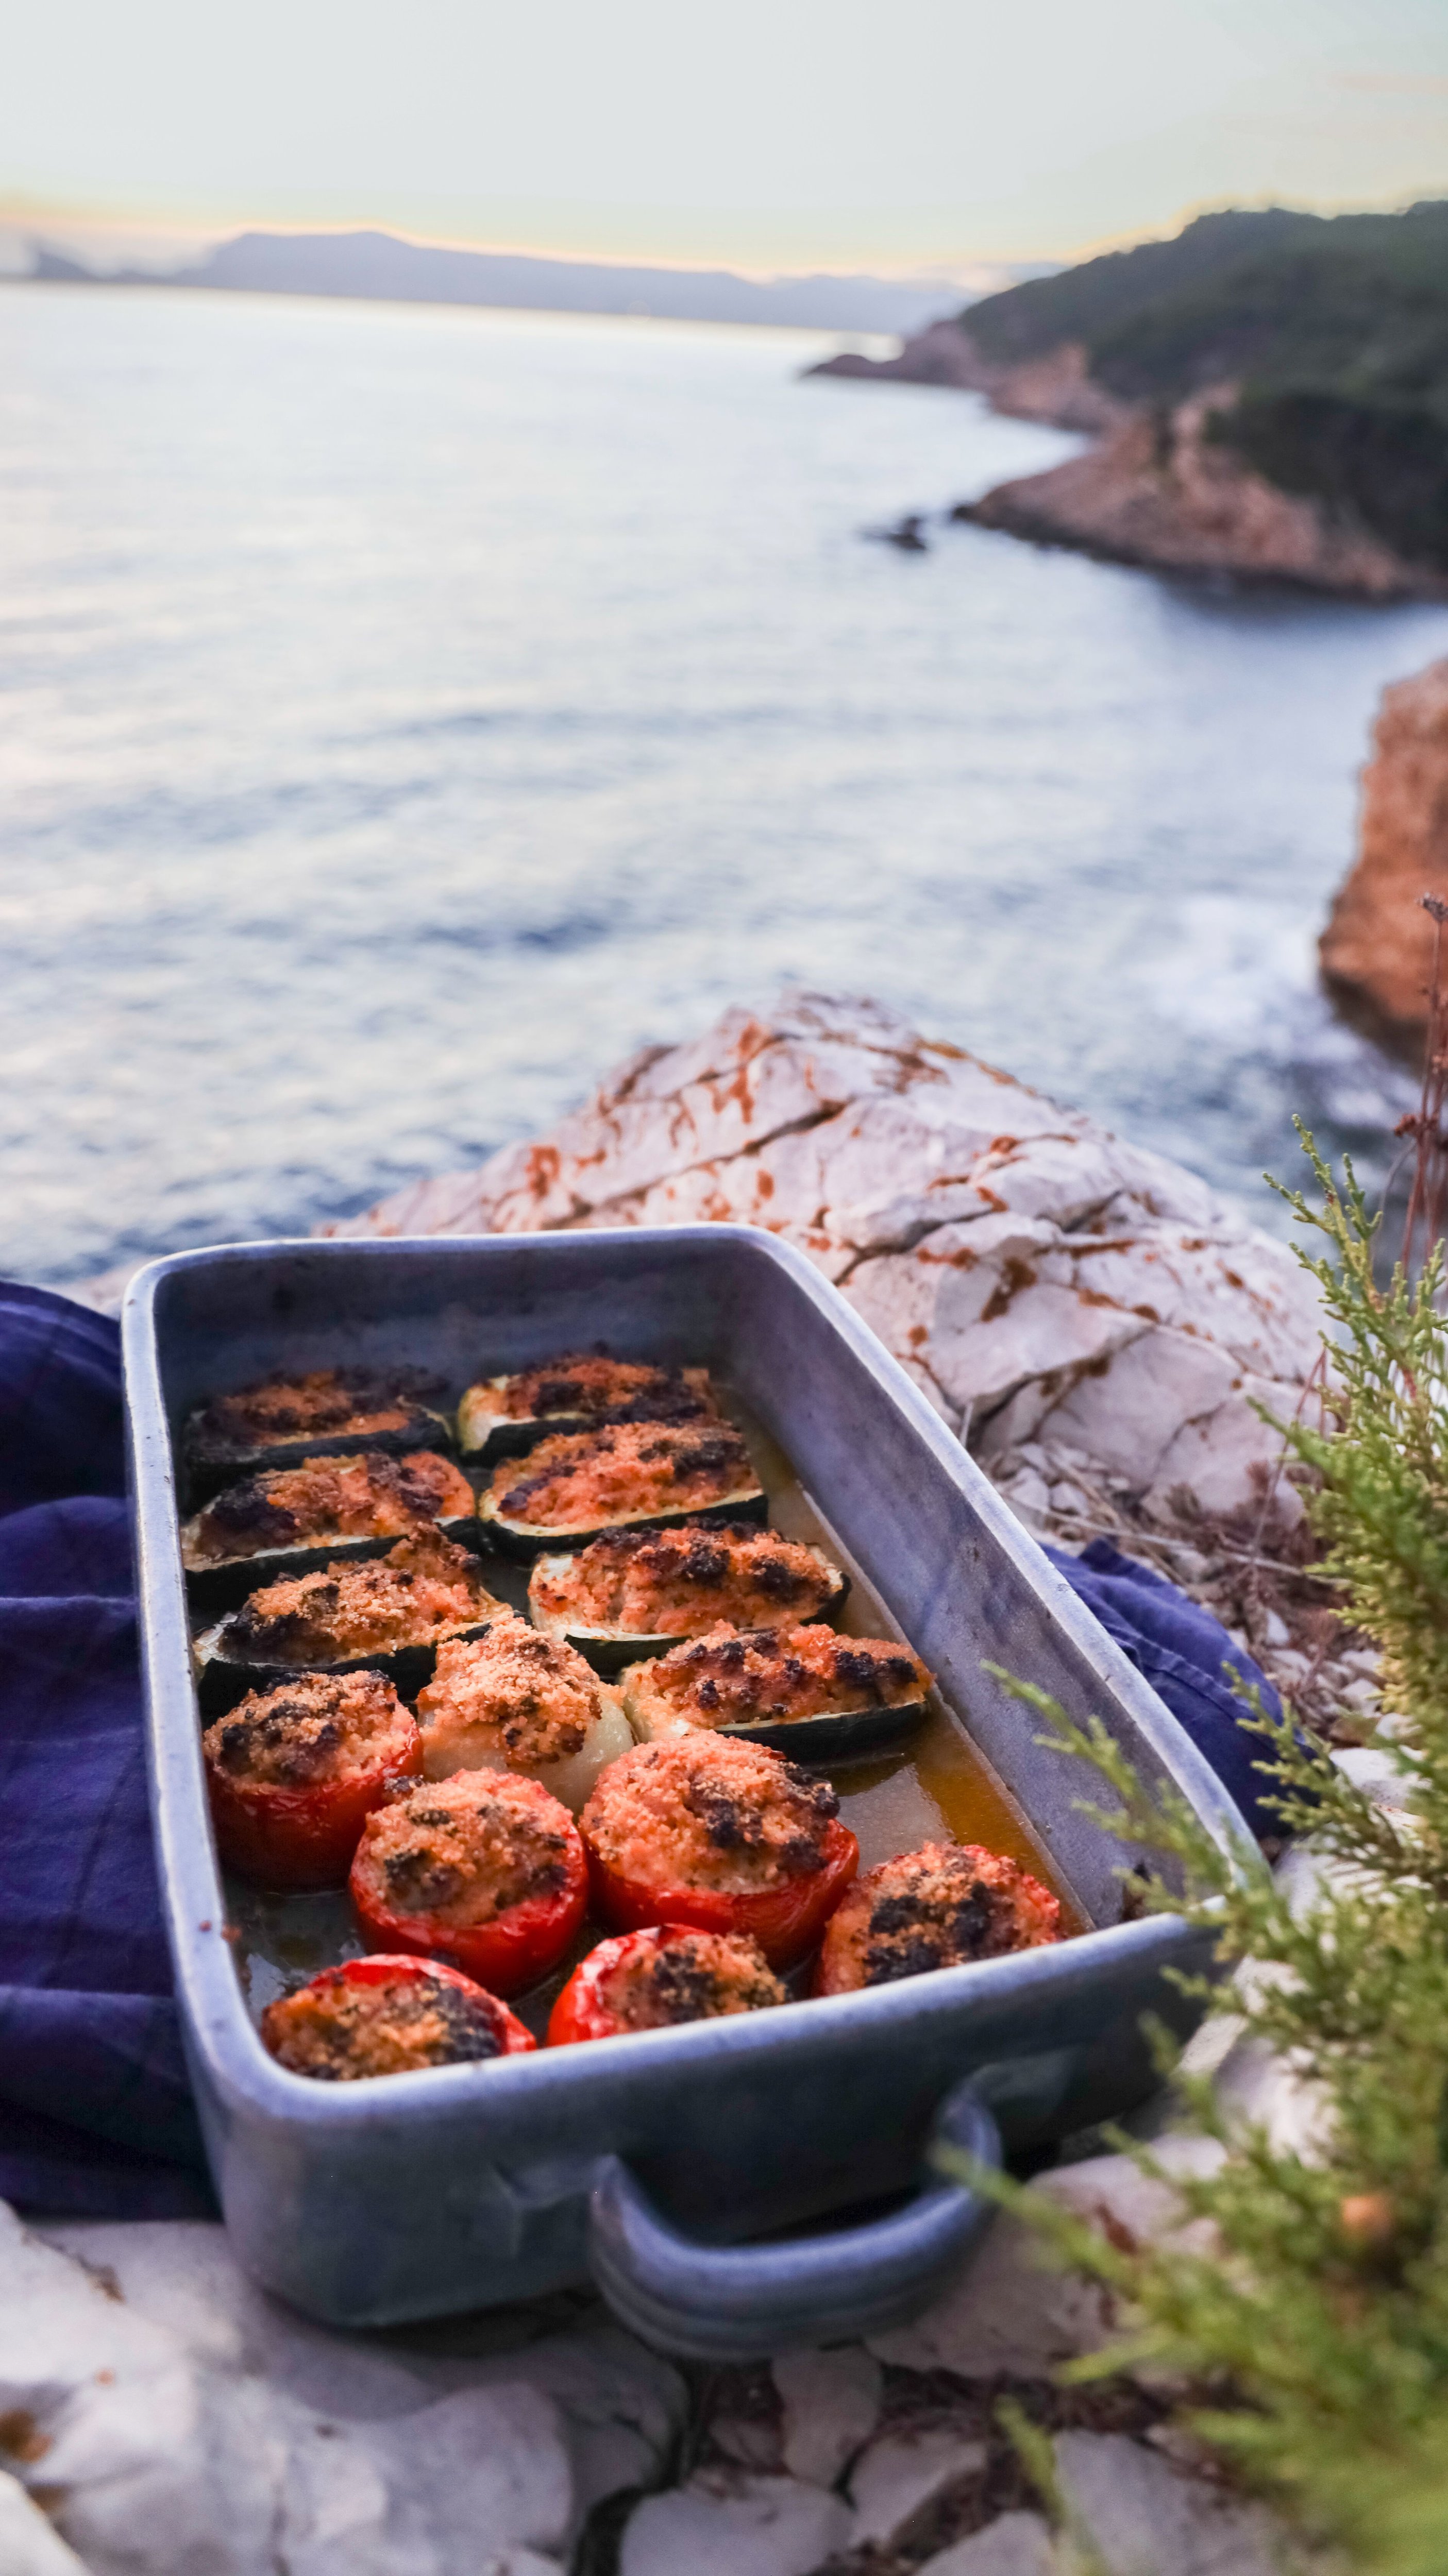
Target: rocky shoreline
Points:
(1377, 949)
(1156, 490)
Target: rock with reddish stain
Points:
(1038, 1277)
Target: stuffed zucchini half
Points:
(510, 1700)
(500, 1417)
(634, 1593)
(387, 1615)
(625, 1475)
(289, 1520)
(805, 1691)
(325, 1413)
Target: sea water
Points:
(407, 712)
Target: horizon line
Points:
(30, 216)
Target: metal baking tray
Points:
(666, 2165)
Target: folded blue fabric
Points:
(1182, 1651)
(96, 2114)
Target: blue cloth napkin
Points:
(96, 2114)
(1181, 1650)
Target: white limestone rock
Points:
(897, 2476)
(831, 2406)
(723, 2523)
(29, 2544)
(1036, 1276)
(1010, 2312)
(1142, 2516)
(193, 2427)
(1015, 2544)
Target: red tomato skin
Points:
(513, 1951)
(301, 1838)
(379, 1968)
(580, 2012)
(785, 1921)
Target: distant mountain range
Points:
(380, 266)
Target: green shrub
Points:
(1313, 2329)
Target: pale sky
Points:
(886, 134)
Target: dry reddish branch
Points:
(1424, 1126)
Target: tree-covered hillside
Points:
(1334, 331)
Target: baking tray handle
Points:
(743, 2302)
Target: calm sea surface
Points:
(405, 713)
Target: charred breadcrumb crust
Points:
(651, 1580)
(463, 1850)
(730, 1677)
(590, 1383)
(319, 1727)
(680, 1976)
(531, 1695)
(420, 1589)
(318, 1405)
(338, 2034)
(622, 1468)
(936, 1908)
(702, 1812)
(364, 1495)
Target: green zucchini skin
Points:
(220, 1684)
(212, 1589)
(526, 1540)
(609, 1654)
(205, 1476)
(854, 1735)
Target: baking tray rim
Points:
(244, 2076)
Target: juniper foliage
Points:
(1309, 2313)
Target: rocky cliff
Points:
(1161, 490)
(1043, 1282)
(1377, 948)
(1272, 388)
(1053, 386)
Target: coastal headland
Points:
(1268, 394)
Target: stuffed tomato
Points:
(720, 1836)
(385, 2016)
(294, 1773)
(484, 1869)
(934, 1908)
(655, 1979)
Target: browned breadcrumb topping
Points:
(322, 1726)
(587, 1382)
(698, 1812)
(339, 2032)
(415, 1594)
(725, 1679)
(688, 1976)
(936, 1907)
(513, 1692)
(465, 1849)
(368, 1495)
(322, 1404)
(580, 1477)
(674, 1582)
